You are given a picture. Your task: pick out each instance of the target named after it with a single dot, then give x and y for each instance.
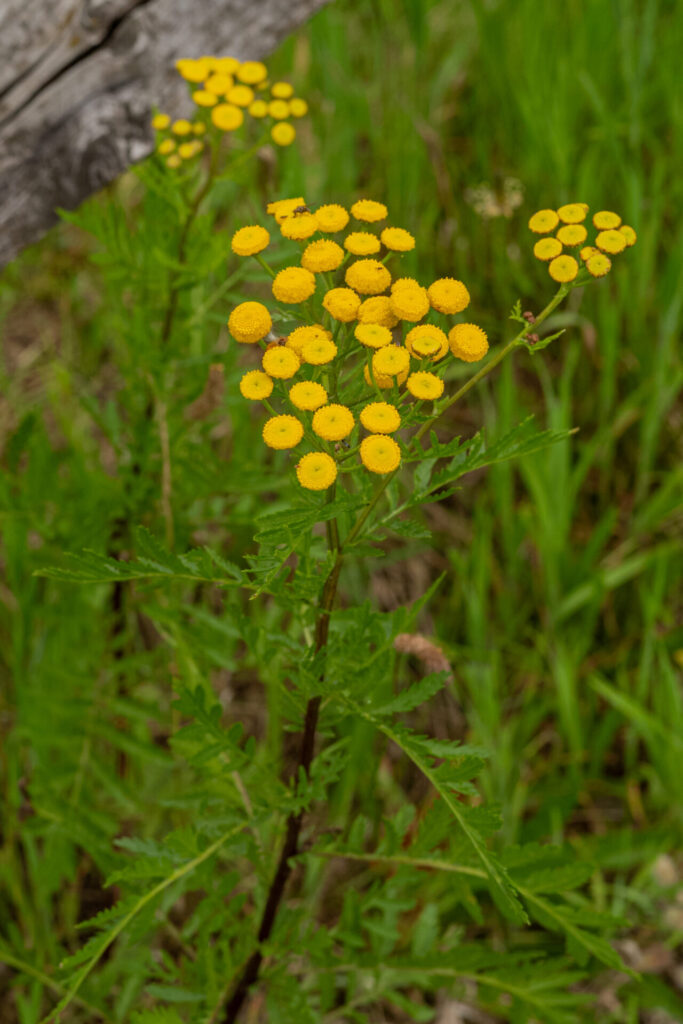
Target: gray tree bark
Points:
(78, 79)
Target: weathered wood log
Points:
(78, 79)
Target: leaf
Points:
(413, 696)
(581, 944)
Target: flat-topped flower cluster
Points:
(225, 91)
(368, 347)
(570, 232)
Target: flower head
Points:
(404, 282)
(368, 277)
(563, 269)
(282, 208)
(256, 385)
(468, 342)
(425, 385)
(258, 109)
(166, 147)
(181, 127)
(543, 221)
(321, 256)
(249, 322)
(227, 117)
(572, 234)
(316, 471)
(308, 395)
(427, 341)
(252, 72)
(282, 432)
(377, 310)
(283, 134)
(380, 454)
(342, 304)
(204, 99)
(369, 210)
(390, 361)
(298, 107)
(332, 218)
(249, 240)
(318, 351)
(547, 248)
(280, 361)
(193, 70)
(293, 285)
(410, 303)
(281, 90)
(447, 295)
(373, 335)
(611, 241)
(572, 213)
(383, 380)
(598, 265)
(398, 239)
(333, 422)
(380, 418)
(587, 252)
(278, 109)
(629, 234)
(362, 243)
(160, 121)
(299, 226)
(300, 335)
(605, 219)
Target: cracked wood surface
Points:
(78, 79)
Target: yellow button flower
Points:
(318, 351)
(204, 99)
(258, 109)
(193, 70)
(198, 127)
(448, 295)
(300, 335)
(547, 248)
(298, 107)
(572, 234)
(322, 256)
(189, 149)
(225, 65)
(249, 322)
(468, 342)
(256, 385)
(380, 418)
(341, 303)
(316, 471)
(605, 219)
(369, 210)
(333, 422)
(219, 84)
(563, 269)
(599, 265)
(587, 252)
(299, 226)
(166, 147)
(377, 310)
(308, 395)
(369, 277)
(281, 90)
(280, 361)
(283, 133)
(227, 117)
(282, 208)
(629, 234)
(383, 380)
(425, 385)
(427, 341)
(160, 121)
(390, 361)
(404, 282)
(282, 432)
(373, 335)
(278, 109)
(173, 161)
(240, 95)
(181, 127)
(249, 240)
(293, 284)
(410, 303)
(332, 218)
(380, 454)
(543, 221)
(611, 241)
(398, 239)
(252, 72)
(362, 243)
(573, 213)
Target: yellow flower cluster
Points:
(370, 347)
(224, 90)
(568, 223)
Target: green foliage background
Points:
(560, 608)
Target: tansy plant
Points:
(328, 892)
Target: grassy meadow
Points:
(560, 607)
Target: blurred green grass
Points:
(561, 611)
